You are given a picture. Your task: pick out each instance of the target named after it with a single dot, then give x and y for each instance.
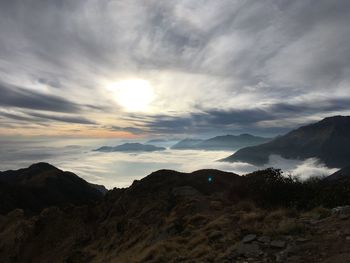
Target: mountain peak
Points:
(42, 166)
(328, 140)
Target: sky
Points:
(136, 68)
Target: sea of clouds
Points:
(121, 169)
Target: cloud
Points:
(21, 98)
(303, 169)
(44, 119)
(133, 130)
(61, 118)
(234, 65)
(265, 119)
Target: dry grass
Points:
(318, 213)
(245, 206)
(286, 226)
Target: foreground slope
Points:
(204, 216)
(327, 140)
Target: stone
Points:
(249, 250)
(301, 240)
(345, 210)
(249, 238)
(344, 216)
(16, 213)
(278, 244)
(264, 239)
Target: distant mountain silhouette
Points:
(187, 144)
(328, 140)
(225, 142)
(156, 141)
(131, 147)
(42, 185)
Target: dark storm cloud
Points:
(16, 117)
(243, 120)
(67, 119)
(39, 118)
(309, 108)
(207, 121)
(12, 96)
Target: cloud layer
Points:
(215, 66)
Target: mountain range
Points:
(225, 142)
(131, 147)
(328, 140)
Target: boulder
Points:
(278, 244)
(249, 238)
(249, 250)
(264, 239)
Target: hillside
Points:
(204, 216)
(328, 140)
(225, 142)
(42, 185)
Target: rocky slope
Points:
(204, 216)
(327, 140)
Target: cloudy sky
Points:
(136, 68)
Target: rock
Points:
(344, 210)
(249, 238)
(16, 213)
(264, 239)
(344, 216)
(249, 250)
(301, 240)
(278, 244)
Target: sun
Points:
(133, 94)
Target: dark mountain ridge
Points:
(224, 142)
(42, 185)
(186, 144)
(328, 140)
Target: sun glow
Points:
(133, 94)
